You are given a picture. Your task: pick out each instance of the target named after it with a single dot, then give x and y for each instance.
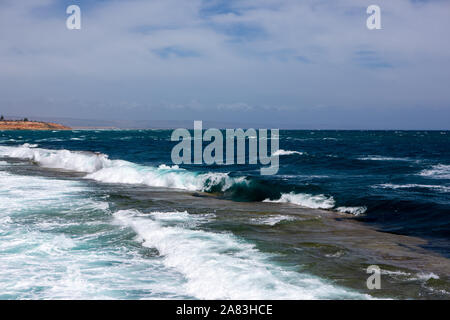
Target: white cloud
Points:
(253, 55)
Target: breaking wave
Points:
(100, 168)
(306, 200)
(220, 265)
(439, 171)
(356, 211)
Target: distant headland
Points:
(26, 124)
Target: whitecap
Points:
(29, 145)
(413, 185)
(46, 262)
(356, 211)
(439, 171)
(222, 266)
(306, 200)
(425, 276)
(382, 158)
(100, 168)
(282, 152)
(272, 220)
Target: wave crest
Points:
(306, 200)
(439, 171)
(356, 211)
(100, 168)
(282, 152)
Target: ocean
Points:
(104, 214)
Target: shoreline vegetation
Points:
(26, 124)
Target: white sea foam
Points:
(222, 266)
(395, 273)
(166, 167)
(129, 173)
(421, 276)
(50, 140)
(337, 254)
(49, 249)
(22, 193)
(382, 158)
(58, 159)
(28, 145)
(439, 171)
(352, 210)
(316, 202)
(100, 168)
(5, 220)
(272, 220)
(413, 185)
(425, 276)
(49, 259)
(282, 152)
(306, 200)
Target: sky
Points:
(296, 63)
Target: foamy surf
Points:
(58, 159)
(272, 220)
(282, 152)
(439, 171)
(100, 168)
(306, 200)
(382, 158)
(316, 202)
(356, 211)
(52, 246)
(87, 254)
(439, 188)
(220, 265)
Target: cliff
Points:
(30, 125)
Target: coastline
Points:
(30, 125)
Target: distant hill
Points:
(75, 123)
(30, 125)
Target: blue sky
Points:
(307, 63)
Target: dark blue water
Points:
(396, 180)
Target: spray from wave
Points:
(221, 266)
(356, 211)
(316, 202)
(306, 200)
(99, 167)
